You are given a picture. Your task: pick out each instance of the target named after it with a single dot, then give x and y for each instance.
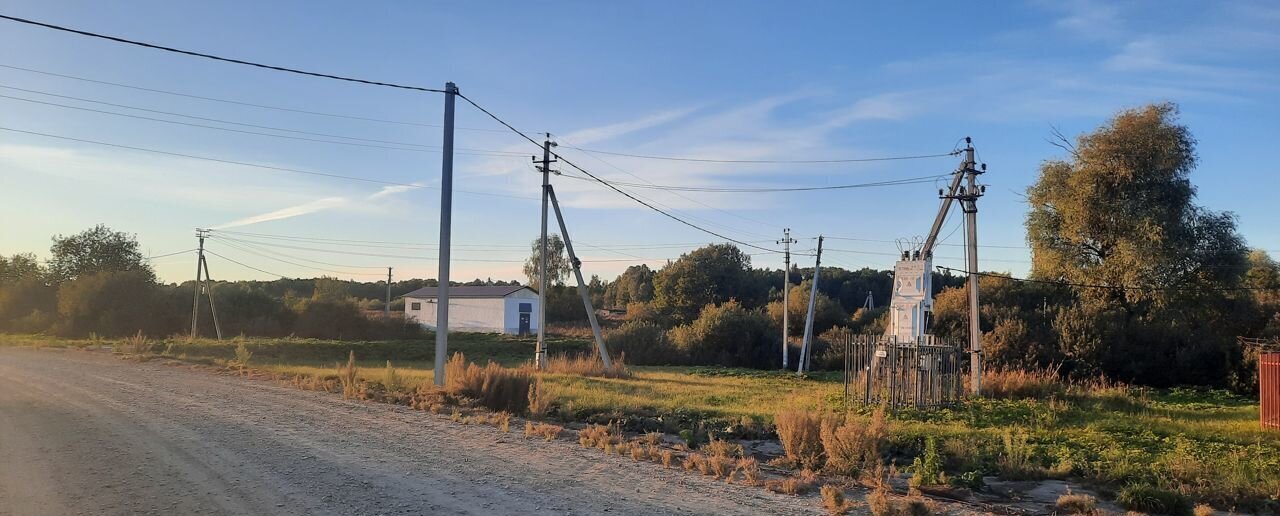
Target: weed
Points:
(854, 444)
(456, 416)
(638, 452)
(586, 365)
(722, 448)
(722, 466)
(797, 484)
(348, 376)
(926, 470)
(494, 386)
(1148, 498)
(391, 380)
(750, 469)
(502, 420)
(1015, 463)
(881, 502)
(540, 400)
(1072, 503)
(1022, 383)
(693, 461)
(600, 436)
(833, 500)
(653, 438)
(1202, 510)
(800, 432)
(243, 355)
(137, 345)
(667, 456)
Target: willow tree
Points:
(1153, 269)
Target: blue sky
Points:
(722, 80)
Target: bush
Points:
(1148, 498)
(111, 304)
(854, 444)
(728, 335)
(800, 432)
(497, 388)
(644, 343)
(1076, 504)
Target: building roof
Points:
(468, 292)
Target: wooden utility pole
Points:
(582, 286)
(540, 349)
(786, 289)
(446, 226)
(386, 307)
(205, 285)
(969, 204)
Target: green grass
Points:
(1203, 444)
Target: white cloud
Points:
(306, 208)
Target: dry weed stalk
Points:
(833, 500)
(347, 375)
(750, 469)
(667, 456)
(586, 365)
(853, 444)
(800, 432)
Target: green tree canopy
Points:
(707, 275)
(634, 285)
(97, 249)
(558, 265)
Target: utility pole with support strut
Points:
(807, 345)
(540, 349)
(446, 226)
(968, 198)
(202, 265)
(786, 289)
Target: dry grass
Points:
(653, 438)
(722, 448)
(391, 380)
(605, 437)
(797, 484)
(1071, 503)
(667, 457)
(1203, 510)
(547, 432)
(137, 345)
(800, 432)
(721, 466)
(693, 461)
(586, 365)
(882, 502)
(347, 375)
(502, 420)
(749, 468)
(854, 444)
(540, 400)
(1022, 383)
(496, 387)
(243, 355)
(833, 500)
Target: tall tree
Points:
(97, 249)
(707, 275)
(558, 266)
(634, 285)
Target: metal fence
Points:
(1269, 389)
(879, 369)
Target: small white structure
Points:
(489, 309)
(912, 298)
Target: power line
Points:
(170, 254)
(254, 165)
(893, 182)
(614, 188)
(215, 57)
(269, 273)
(243, 124)
(768, 161)
(241, 131)
(240, 103)
(269, 257)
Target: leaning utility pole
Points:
(786, 289)
(540, 349)
(807, 346)
(202, 265)
(582, 286)
(969, 204)
(446, 225)
(386, 307)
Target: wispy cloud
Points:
(316, 206)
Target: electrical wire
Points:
(216, 57)
(243, 124)
(256, 165)
(295, 264)
(247, 104)
(269, 273)
(170, 254)
(894, 182)
(769, 161)
(242, 131)
(614, 188)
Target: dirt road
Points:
(86, 433)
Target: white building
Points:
(489, 309)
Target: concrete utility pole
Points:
(446, 226)
(206, 285)
(807, 345)
(540, 349)
(786, 289)
(386, 307)
(582, 286)
(969, 203)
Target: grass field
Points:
(1153, 450)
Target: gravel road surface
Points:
(87, 433)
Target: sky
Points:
(710, 80)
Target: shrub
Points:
(586, 365)
(800, 432)
(1149, 498)
(1015, 462)
(728, 335)
(797, 484)
(750, 469)
(926, 469)
(854, 444)
(137, 345)
(243, 355)
(644, 343)
(1070, 503)
(667, 457)
(494, 386)
(1022, 383)
(110, 304)
(722, 448)
(833, 500)
(548, 432)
